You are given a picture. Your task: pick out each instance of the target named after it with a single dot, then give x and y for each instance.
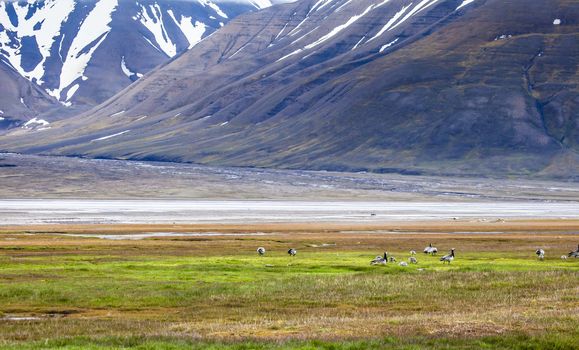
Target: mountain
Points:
(83, 52)
(429, 86)
(20, 99)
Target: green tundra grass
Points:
(84, 293)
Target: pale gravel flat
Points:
(65, 211)
(26, 176)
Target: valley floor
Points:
(175, 267)
(75, 287)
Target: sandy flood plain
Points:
(238, 212)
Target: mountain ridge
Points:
(76, 50)
(446, 87)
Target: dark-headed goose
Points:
(448, 258)
(380, 260)
(574, 254)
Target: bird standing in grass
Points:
(261, 251)
(403, 263)
(540, 254)
(430, 250)
(413, 252)
(448, 258)
(574, 254)
(292, 252)
(563, 257)
(412, 260)
(380, 260)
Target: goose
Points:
(448, 258)
(292, 252)
(430, 250)
(261, 251)
(563, 257)
(412, 260)
(403, 263)
(380, 260)
(574, 254)
(540, 253)
(413, 252)
(392, 259)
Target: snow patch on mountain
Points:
(423, 5)
(215, 8)
(193, 32)
(111, 136)
(36, 124)
(336, 30)
(117, 114)
(92, 32)
(261, 3)
(258, 4)
(32, 19)
(358, 43)
(465, 3)
(383, 48)
(320, 5)
(71, 91)
(152, 19)
(391, 22)
(127, 71)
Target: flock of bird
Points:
(572, 254)
(291, 251)
(430, 250)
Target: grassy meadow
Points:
(58, 291)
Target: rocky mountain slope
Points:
(20, 98)
(83, 52)
(427, 86)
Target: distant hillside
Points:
(20, 100)
(431, 86)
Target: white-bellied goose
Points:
(430, 250)
(540, 254)
(380, 260)
(448, 258)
